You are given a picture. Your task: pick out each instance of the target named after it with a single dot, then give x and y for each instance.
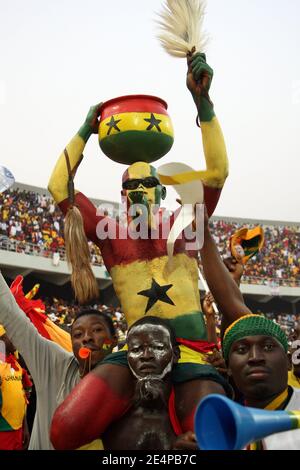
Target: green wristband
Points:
(85, 132)
(205, 109)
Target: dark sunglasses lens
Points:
(150, 182)
(131, 184)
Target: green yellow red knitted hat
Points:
(252, 325)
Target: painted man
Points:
(142, 279)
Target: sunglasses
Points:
(149, 182)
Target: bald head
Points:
(139, 170)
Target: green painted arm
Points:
(199, 79)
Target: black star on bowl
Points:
(154, 122)
(112, 124)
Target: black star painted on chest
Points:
(156, 293)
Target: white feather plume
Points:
(181, 26)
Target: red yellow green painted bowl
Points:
(135, 128)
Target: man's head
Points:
(152, 348)
(141, 185)
(93, 330)
(152, 352)
(255, 349)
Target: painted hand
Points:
(198, 81)
(92, 119)
(199, 75)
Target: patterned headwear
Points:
(245, 243)
(252, 325)
(2, 330)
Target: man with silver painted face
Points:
(152, 355)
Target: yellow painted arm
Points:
(58, 183)
(215, 154)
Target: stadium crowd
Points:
(279, 259)
(32, 223)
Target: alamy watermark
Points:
(296, 353)
(139, 221)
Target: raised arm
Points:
(58, 183)
(221, 284)
(210, 318)
(81, 215)
(42, 357)
(199, 79)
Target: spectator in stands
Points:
(34, 224)
(286, 321)
(280, 253)
(122, 331)
(54, 371)
(15, 388)
(256, 351)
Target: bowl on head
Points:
(135, 128)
